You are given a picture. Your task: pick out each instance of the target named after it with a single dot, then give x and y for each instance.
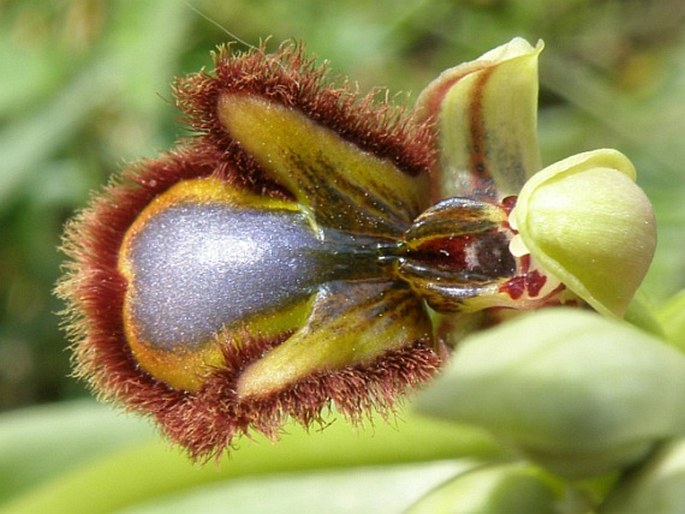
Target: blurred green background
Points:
(84, 88)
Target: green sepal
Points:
(486, 113)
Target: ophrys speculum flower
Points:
(287, 257)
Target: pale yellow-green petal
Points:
(587, 223)
(486, 112)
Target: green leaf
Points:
(375, 489)
(39, 443)
(145, 471)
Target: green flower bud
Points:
(587, 223)
(659, 486)
(577, 393)
(505, 488)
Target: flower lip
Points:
(361, 346)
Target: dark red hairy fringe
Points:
(206, 422)
(291, 78)
(92, 286)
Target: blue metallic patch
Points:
(198, 268)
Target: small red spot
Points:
(514, 287)
(525, 264)
(530, 282)
(509, 203)
(534, 282)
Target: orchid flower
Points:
(307, 247)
